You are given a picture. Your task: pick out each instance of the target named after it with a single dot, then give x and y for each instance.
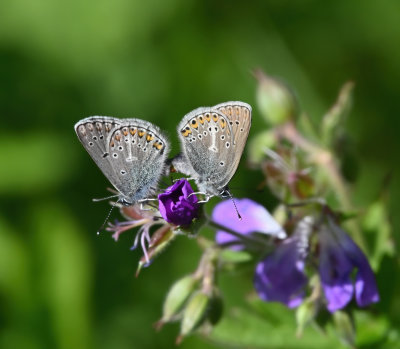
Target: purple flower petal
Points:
(366, 290)
(255, 218)
(338, 258)
(176, 206)
(335, 272)
(280, 277)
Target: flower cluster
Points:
(281, 276)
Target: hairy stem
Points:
(325, 159)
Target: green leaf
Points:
(378, 231)
(230, 256)
(245, 328)
(371, 328)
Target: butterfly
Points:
(131, 153)
(212, 143)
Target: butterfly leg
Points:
(206, 199)
(143, 201)
(187, 178)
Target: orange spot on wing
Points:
(194, 124)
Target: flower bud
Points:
(194, 314)
(305, 313)
(301, 185)
(277, 103)
(177, 296)
(344, 327)
(258, 144)
(159, 241)
(177, 204)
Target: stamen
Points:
(143, 243)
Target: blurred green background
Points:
(61, 286)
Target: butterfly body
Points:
(131, 153)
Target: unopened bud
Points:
(195, 313)
(301, 185)
(258, 144)
(159, 241)
(277, 103)
(305, 313)
(177, 296)
(344, 327)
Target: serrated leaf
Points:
(244, 328)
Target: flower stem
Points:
(325, 159)
(245, 238)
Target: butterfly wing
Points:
(239, 116)
(130, 152)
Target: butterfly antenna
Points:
(106, 198)
(108, 216)
(234, 204)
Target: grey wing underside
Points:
(212, 140)
(130, 152)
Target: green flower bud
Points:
(344, 327)
(195, 313)
(280, 214)
(305, 313)
(301, 185)
(159, 242)
(277, 103)
(177, 296)
(258, 144)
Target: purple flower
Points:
(255, 218)
(176, 206)
(280, 277)
(339, 256)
